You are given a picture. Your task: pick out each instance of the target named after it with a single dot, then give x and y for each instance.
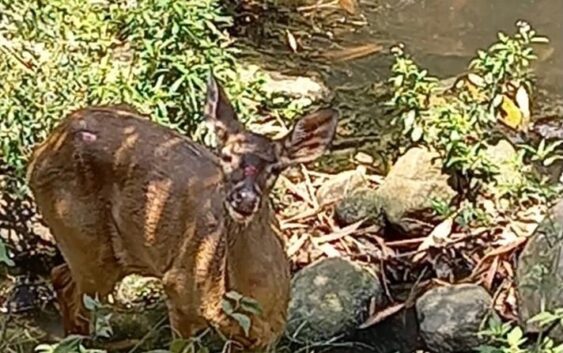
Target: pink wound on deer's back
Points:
(250, 170)
(87, 136)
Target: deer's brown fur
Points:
(122, 195)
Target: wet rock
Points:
(408, 190)
(330, 298)
(539, 273)
(340, 185)
(360, 204)
(451, 317)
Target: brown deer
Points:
(122, 194)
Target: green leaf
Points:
(244, 322)
(416, 133)
(71, 344)
(250, 305)
(550, 160)
(514, 337)
(227, 307)
(540, 39)
(90, 303)
(4, 255)
(182, 346)
(103, 326)
(543, 318)
(410, 118)
(44, 348)
(234, 295)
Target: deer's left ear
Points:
(219, 111)
(309, 138)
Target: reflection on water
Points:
(444, 34)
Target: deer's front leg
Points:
(183, 304)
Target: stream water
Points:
(443, 35)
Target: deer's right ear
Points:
(309, 138)
(219, 111)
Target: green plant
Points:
(472, 216)
(59, 55)
(239, 307)
(102, 327)
(546, 153)
(460, 122)
(508, 60)
(4, 258)
(508, 338)
(455, 126)
(70, 344)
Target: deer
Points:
(122, 194)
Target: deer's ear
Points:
(219, 111)
(310, 137)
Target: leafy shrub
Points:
(59, 55)
(461, 122)
(508, 338)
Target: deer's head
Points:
(251, 162)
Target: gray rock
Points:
(330, 298)
(341, 185)
(360, 204)
(451, 317)
(539, 273)
(408, 190)
(296, 87)
(503, 155)
(138, 313)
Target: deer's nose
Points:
(244, 200)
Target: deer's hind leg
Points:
(79, 277)
(82, 232)
(75, 318)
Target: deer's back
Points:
(147, 183)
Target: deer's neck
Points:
(252, 251)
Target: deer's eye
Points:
(227, 158)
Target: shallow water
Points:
(443, 35)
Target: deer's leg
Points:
(70, 294)
(82, 232)
(75, 318)
(183, 304)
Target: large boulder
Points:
(539, 273)
(451, 317)
(330, 299)
(409, 189)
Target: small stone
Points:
(361, 204)
(330, 298)
(408, 190)
(450, 317)
(363, 158)
(341, 185)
